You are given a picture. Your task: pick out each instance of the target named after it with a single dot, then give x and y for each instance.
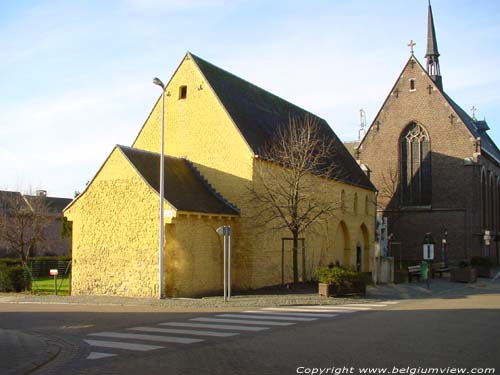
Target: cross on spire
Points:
(473, 110)
(411, 44)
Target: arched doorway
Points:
(342, 250)
(362, 249)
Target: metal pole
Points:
(162, 194)
(303, 262)
(229, 261)
(282, 261)
(225, 264)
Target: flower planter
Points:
(464, 275)
(357, 287)
(483, 271)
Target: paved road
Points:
(454, 330)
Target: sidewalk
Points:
(21, 353)
(304, 295)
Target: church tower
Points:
(432, 54)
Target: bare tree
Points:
(23, 220)
(389, 189)
(287, 191)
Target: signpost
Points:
(54, 272)
(428, 255)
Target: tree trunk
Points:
(295, 252)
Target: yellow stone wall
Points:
(115, 233)
(200, 129)
(194, 255)
(329, 241)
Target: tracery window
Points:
(416, 178)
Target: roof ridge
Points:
(209, 186)
(140, 150)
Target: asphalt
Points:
(24, 352)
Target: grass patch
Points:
(45, 285)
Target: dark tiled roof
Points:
(57, 204)
(54, 204)
(185, 189)
(258, 114)
(478, 129)
(7, 198)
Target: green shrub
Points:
(62, 257)
(336, 275)
(10, 262)
(13, 279)
(482, 261)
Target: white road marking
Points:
(366, 305)
(123, 345)
(184, 331)
(173, 339)
(335, 307)
(215, 326)
(97, 355)
(390, 302)
(301, 309)
(285, 313)
(270, 317)
(243, 321)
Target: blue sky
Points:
(75, 76)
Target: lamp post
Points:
(445, 244)
(158, 82)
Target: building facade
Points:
(216, 125)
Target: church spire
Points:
(432, 54)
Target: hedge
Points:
(13, 279)
(17, 262)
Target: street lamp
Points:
(158, 82)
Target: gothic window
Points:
(497, 205)
(491, 200)
(415, 166)
(484, 196)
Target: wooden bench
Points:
(439, 268)
(413, 271)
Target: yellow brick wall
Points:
(115, 233)
(199, 127)
(328, 241)
(194, 255)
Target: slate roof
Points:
(8, 197)
(54, 204)
(185, 187)
(478, 129)
(258, 114)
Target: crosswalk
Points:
(218, 326)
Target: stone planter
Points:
(463, 275)
(347, 288)
(483, 271)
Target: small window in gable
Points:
(412, 84)
(183, 90)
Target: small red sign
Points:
(53, 272)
